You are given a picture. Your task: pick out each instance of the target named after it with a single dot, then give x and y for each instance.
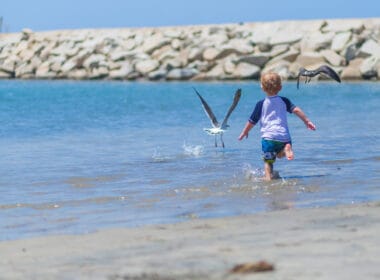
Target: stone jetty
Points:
(202, 52)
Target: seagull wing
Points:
(329, 72)
(301, 72)
(232, 107)
(208, 110)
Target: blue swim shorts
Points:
(271, 148)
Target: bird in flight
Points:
(324, 69)
(218, 129)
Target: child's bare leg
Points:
(268, 168)
(288, 152)
(280, 154)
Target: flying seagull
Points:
(218, 129)
(324, 69)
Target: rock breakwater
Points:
(208, 52)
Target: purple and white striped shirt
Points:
(271, 114)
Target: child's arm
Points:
(246, 129)
(302, 116)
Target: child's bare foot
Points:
(267, 178)
(273, 176)
(289, 152)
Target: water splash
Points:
(253, 174)
(159, 157)
(190, 150)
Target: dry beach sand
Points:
(326, 243)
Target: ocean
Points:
(80, 156)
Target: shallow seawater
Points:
(80, 156)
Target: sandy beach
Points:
(326, 243)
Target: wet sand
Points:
(327, 243)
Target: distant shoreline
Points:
(196, 52)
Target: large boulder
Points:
(211, 53)
(342, 25)
(275, 51)
(123, 72)
(240, 46)
(27, 34)
(229, 65)
(213, 40)
(159, 74)
(173, 59)
(370, 48)
(351, 51)
(216, 73)
(128, 45)
(333, 58)
(181, 74)
(120, 55)
(246, 71)
(316, 41)
(289, 56)
(163, 53)
(64, 49)
(340, 41)
(9, 64)
(174, 33)
(46, 51)
(308, 59)
(24, 71)
(154, 42)
(69, 65)
(5, 75)
(195, 53)
(352, 71)
(176, 44)
(255, 59)
(282, 67)
(369, 67)
(20, 47)
(94, 61)
(146, 66)
(26, 55)
(78, 74)
(98, 73)
(43, 71)
(279, 32)
(171, 63)
(201, 66)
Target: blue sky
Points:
(72, 14)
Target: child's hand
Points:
(310, 125)
(242, 135)
(245, 131)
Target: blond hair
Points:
(271, 82)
